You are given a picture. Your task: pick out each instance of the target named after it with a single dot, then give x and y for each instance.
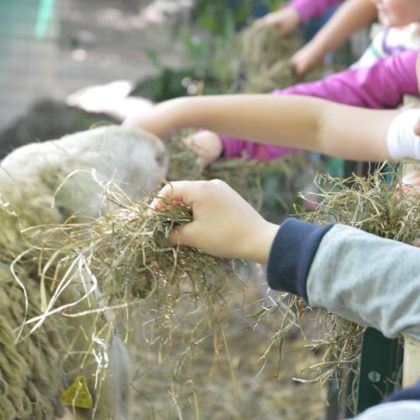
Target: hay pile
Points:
(89, 277)
(117, 268)
(271, 187)
(376, 204)
(265, 57)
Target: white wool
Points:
(134, 159)
(30, 175)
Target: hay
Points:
(95, 272)
(91, 276)
(265, 56)
(180, 296)
(269, 186)
(376, 204)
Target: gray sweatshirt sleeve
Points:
(366, 279)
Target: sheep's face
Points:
(133, 159)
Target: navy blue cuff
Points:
(291, 255)
(411, 394)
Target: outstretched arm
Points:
(307, 123)
(352, 15)
(289, 16)
(337, 267)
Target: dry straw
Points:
(270, 186)
(75, 284)
(90, 275)
(265, 57)
(377, 204)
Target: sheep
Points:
(33, 370)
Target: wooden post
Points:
(411, 365)
(379, 366)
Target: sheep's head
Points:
(69, 169)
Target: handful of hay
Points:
(265, 56)
(376, 204)
(95, 272)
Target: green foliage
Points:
(209, 39)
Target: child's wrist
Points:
(259, 247)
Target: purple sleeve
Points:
(381, 86)
(308, 9)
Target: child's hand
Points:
(207, 145)
(159, 120)
(306, 59)
(224, 224)
(285, 20)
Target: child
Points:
(316, 263)
(381, 85)
(294, 121)
(351, 16)
(399, 32)
(295, 12)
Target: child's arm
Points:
(337, 267)
(288, 17)
(308, 9)
(379, 86)
(308, 123)
(352, 15)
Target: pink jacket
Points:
(308, 9)
(381, 86)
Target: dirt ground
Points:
(106, 40)
(82, 43)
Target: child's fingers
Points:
(207, 145)
(181, 235)
(179, 191)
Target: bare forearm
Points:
(351, 16)
(308, 123)
(260, 118)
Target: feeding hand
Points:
(224, 224)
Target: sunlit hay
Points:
(266, 55)
(119, 262)
(270, 186)
(379, 205)
(376, 204)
